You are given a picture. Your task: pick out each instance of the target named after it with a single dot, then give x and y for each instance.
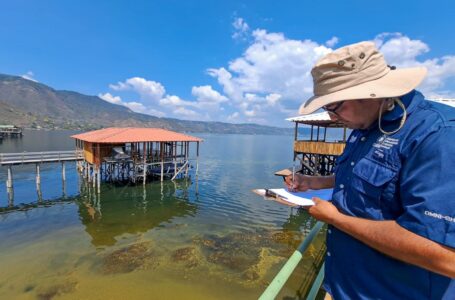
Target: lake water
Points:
(201, 238)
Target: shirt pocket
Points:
(368, 184)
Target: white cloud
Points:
(233, 117)
(29, 76)
(147, 89)
(110, 98)
(186, 112)
(207, 95)
(273, 99)
(272, 72)
(172, 100)
(332, 42)
(241, 29)
(272, 77)
(272, 64)
(401, 51)
(250, 113)
(136, 107)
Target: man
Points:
(391, 232)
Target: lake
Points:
(207, 237)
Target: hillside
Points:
(30, 104)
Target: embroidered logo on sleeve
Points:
(439, 216)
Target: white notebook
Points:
(302, 198)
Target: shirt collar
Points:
(411, 100)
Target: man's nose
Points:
(333, 117)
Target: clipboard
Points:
(272, 197)
(302, 199)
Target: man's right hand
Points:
(301, 182)
(305, 182)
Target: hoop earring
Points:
(403, 118)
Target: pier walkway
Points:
(10, 130)
(39, 157)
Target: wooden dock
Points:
(22, 158)
(10, 130)
(37, 158)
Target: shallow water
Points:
(208, 237)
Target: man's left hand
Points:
(323, 210)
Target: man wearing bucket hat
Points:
(391, 232)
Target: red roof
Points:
(133, 135)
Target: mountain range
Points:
(30, 104)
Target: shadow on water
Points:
(131, 209)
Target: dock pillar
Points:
(99, 179)
(187, 150)
(9, 181)
(197, 159)
(94, 177)
(38, 178)
(162, 170)
(10, 197)
(63, 171)
(145, 165)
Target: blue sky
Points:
(230, 61)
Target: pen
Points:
(293, 171)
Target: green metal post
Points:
(317, 284)
(280, 279)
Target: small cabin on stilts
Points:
(135, 154)
(327, 141)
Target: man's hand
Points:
(301, 182)
(323, 210)
(305, 182)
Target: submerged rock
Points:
(128, 259)
(189, 256)
(243, 252)
(52, 291)
(235, 259)
(29, 288)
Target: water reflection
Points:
(299, 220)
(131, 210)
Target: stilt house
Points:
(317, 155)
(135, 154)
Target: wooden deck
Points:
(10, 130)
(39, 157)
(315, 147)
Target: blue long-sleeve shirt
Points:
(409, 177)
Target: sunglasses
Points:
(333, 109)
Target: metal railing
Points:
(283, 275)
(39, 157)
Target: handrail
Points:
(37, 157)
(317, 284)
(283, 275)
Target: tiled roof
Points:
(133, 135)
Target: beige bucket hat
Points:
(358, 71)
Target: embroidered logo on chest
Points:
(353, 138)
(382, 147)
(385, 142)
